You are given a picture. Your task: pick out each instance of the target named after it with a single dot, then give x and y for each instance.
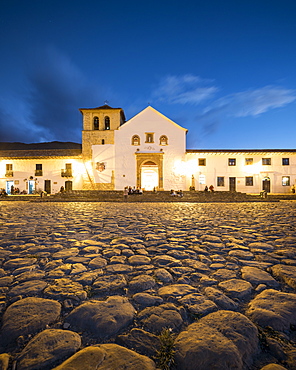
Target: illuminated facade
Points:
(148, 151)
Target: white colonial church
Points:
(148, 151)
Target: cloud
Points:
(15, 123)
(251, 102)
(57, 89)
(186, 89)
(47, 107)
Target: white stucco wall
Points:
(217, 165)
(178, 165)
(51, 170)
(150, 121)
(104, 155)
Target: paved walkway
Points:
(113, 277)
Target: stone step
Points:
(162, 196)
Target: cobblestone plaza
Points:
(154, 266)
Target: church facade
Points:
(148, 152)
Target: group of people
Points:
(178, 193)
(3, 193)
(210, 188)
(14, 190)
(128, 190)
(134, 190)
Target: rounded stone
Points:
(141, 283)
(48, 347)
(221, 340)
(258, 276)
(138, 259)
(28, 288)
(176, 290)
(97, 263)
(155, 319)
(163, 275)
(65, 289)
(88, 358)
(27, 316)
(286, 273)
(102, 318)
(236, 288)
(145, 299)
(19, 262)
(273, 308)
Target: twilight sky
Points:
(225, 70)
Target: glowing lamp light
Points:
(254, 168)
(78, 168)
(182, 168)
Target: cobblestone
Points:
(148, 267)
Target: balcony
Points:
(38, 173)
(66, 173)
(9, 174)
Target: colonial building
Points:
(148, 151)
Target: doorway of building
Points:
(232, 184)
(9, 184)
(266, 184)
(31, 187)
(68, 185)
(149, 176)
(47, 186)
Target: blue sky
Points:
(225, 70)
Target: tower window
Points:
(201, 161)
(96, 123)
(149, 137)
(163, 140)
(135, 140)
(231, 161)
(107, 123)
(248, 161)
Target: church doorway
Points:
(149, 176)
(149, 170)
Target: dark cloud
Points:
(56, 89)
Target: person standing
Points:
(125, 193)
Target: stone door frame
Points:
(157, 158)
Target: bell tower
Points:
(99, 125)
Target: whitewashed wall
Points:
(104, 156)
(149, 120)
(24, 168)
(217, 165)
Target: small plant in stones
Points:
(165, 355)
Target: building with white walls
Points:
(148, 151)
